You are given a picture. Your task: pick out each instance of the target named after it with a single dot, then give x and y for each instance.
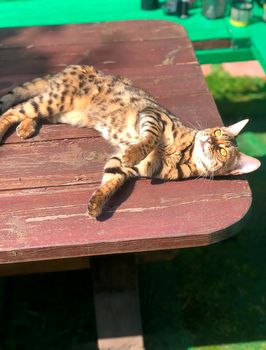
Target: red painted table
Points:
(45, 182)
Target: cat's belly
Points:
(118, 136)
(75, 118)
(103, 130)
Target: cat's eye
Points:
(217, 132)
(223, 152)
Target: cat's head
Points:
(216, 153)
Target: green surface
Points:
(16, 13)
(244, 346)
(225, 55)
(208, 298)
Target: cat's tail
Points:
(23, 93)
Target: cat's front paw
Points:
(94, 207)
(26, 128)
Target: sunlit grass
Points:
(236, 89)
(238, 98)
(243, 346)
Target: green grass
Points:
(239, 98)
(209, 298)
(235, 89)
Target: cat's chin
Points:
(201, 158)
(204, 146)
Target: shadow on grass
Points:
(255, 110)
(210, 295)
(47, 311)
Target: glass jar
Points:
(241, 13)
(214, 8)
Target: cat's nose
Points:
(205, 138)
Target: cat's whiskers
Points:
(212, 175)
(193, 126)
(199, 125)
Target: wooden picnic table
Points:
(45, 181)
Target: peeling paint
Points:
(170, 57)
(53, 217)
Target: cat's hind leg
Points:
(56, 99)
(115, 175)
(23, 93)
(151, 127)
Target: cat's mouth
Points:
(205, 147)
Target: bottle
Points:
(182, 8)
(170, 7)
(214, 8)
(149, 4)
(241, 12)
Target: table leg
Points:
(116, 299)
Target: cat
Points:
(150, 141)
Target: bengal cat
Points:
(150, 141)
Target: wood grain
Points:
(46, 181)
(63, 162)
(212, 44)
(116, 290)
(51, 222)
(112, 32)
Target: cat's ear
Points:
(235, 129)
(245, 164)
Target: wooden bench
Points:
(45, 182)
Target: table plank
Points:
(51, 223)
(46, 181)
(53, 163)
(110, 32)
(159, 80)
